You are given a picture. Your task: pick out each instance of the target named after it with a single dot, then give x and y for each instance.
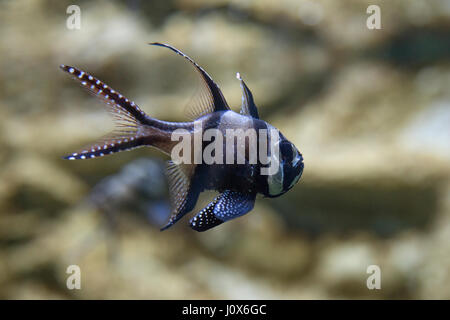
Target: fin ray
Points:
(129, 118)
(183, 194)
(115, 142)
(120, 107)
(209, 98)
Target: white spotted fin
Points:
(205, 219)
(130, 119)
(227, 206)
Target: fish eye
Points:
(287, 152)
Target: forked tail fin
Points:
(132, 123)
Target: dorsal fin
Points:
(209, 98)
(248, 105)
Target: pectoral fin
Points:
(183, 192)
(227, 206)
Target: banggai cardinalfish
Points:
(238, 182)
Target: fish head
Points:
(290, 169)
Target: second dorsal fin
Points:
(209, 98)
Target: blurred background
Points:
(369, 110)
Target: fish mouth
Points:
(298, 158)
(298, 168)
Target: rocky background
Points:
(369, 110)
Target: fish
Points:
(238, 183)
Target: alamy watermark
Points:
(234, 146)
(374, 20)
(374, 280)
(74, 280)
(73, 22)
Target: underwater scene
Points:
(359, 89)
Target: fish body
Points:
(237, 181)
